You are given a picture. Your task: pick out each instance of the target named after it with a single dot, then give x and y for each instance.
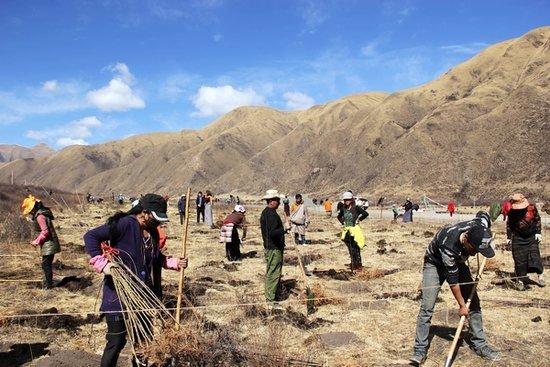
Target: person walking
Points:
(408, 215)
(199, 201)
(46, 240)
(229, 233)
(208, 202)
(451, 207)
(523, 231)
(135, 234)
(181, 207)
(445, 260)
(299, 220)
(273, 236)
(328, 207)
(286, 206)
(350, 215)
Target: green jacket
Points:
(50, 245)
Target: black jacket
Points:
(273, 231)
(358, 214)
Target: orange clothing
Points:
(328, 206)
(162, 238)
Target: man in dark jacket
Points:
(181, 207)
(349, 215)
(444, 260)
(199, 201)
(273, 235)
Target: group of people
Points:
(203, 206)
(139, 240)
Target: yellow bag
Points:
(356, 233)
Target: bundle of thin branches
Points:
(145, 316)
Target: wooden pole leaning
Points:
(456, 338)
(184, 254)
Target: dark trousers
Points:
(47, 267)
(182, 216)
(116, 341)
(200, 211)
(354, 250)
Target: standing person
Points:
(328, 208)
(230, 235)
(350, 215)
(208, 202)
(42, 218)
(199, 201)
(444, 260)
(273, 235)
(135, 234)
(523, 231)
(451, 207)
(408, 215)
(238, 200)
(286, 206)
(299, 220)
(181, 207)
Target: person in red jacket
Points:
(451, 207)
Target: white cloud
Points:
(298, 101)
(215, 101)
(65, 142)
(50, 86)
(313, 14)
(118, 95)
(217, 37)
(466, 49)
(72, 133)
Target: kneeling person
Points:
(445, 260)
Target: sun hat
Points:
(482, 239)
(272, 194)
(519, 201)
(239, 209)
(155, 204)
(347, 195)
(28, 204)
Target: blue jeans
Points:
(432, 279)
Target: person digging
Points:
(444, 260)
(350, 215)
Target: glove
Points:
(107, 268)
(538, 237)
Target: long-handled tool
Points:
(449, 359)
(184, 251)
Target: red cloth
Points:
(162, 238)
(506, 207)
(451, 207)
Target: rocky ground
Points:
(363, 319)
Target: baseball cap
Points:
(482, 239)
(155, 204)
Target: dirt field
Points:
(365, 319)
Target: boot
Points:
(541, 281)
(477, 337)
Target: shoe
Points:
(541, 281)
(519, 285)
(357, 268)
(417, 359)
(488, 353)
(276, 306)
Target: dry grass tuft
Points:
(368, 274)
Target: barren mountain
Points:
(479, 130)
(9, 152)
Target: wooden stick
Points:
(184, 250)
(449, 359)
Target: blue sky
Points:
(84, 72)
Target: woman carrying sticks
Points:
(134, 236)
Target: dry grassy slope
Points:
(11, 152)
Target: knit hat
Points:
(519, 201)
(482, 239)
(155, 204)
(28, 204)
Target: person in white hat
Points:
(273, 235)
(350, 215)
(230, 235)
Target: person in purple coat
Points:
(135, 235)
